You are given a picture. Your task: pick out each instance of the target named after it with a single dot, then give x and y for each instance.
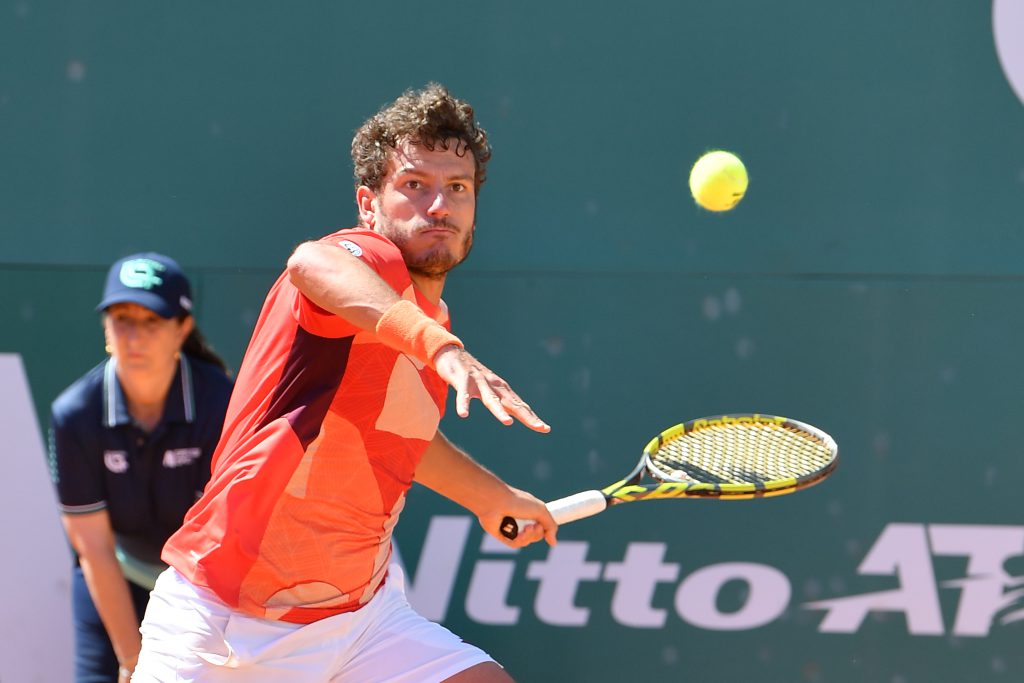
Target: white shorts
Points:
(190, 636)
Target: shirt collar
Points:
(179, 406)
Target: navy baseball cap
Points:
(151, 280)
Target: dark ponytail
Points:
(197, 347)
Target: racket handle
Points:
(564, 510)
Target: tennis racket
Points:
(749, 455)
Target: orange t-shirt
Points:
(321, 440)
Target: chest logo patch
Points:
(179, 457)
(116, 461)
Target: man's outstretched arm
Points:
(341, 283)
(451, 472)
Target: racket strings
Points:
(739, 453)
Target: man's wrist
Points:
(405, 327)
(446, 347)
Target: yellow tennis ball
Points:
(718, 180)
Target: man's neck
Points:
(430, 287)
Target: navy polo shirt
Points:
(100, 460)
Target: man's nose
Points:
(438, 204)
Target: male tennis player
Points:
(281, 571)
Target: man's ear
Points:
(366, 201)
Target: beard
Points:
(433, 263)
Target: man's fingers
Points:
(531, 533)
(513, 402)
(493, 402)
(551, 535)
(471, 379)
(462, 397)
(524, 413)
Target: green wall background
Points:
(868, 283)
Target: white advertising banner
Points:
(36, 637)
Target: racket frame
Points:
(665, 487)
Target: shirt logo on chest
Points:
(116, 461)
(179, 457)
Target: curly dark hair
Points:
(430, 117)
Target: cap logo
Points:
(141, 273)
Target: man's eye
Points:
(458, 187)
(413, 184)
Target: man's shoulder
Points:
(376, 251)
(360, 241)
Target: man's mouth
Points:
(438, 230)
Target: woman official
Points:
(130, 448)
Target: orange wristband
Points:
(408, 329)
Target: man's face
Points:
(427, 206)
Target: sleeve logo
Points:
(352, 247)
